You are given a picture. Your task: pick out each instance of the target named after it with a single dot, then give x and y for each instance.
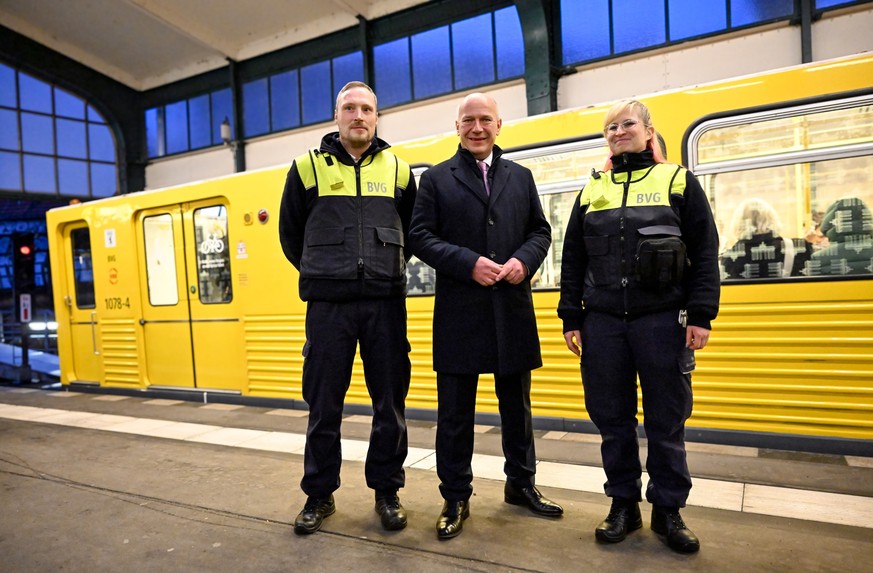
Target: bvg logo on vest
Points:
(649, 198)
(377, 187)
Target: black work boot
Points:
(624, 517)
(667, 521)
(309, 520)
(390, 511)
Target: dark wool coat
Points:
(478, 329)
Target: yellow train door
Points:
(216, 328)
(166, 321)
(87, 366)
(191, 328)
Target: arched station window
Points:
(52, 142)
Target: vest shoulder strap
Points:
(677, 182)
(306, 169)
(401, 170)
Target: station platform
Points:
(42, 367)
(100, 482)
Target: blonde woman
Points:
(639, 289)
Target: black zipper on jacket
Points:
(622, 240)
(360, 217)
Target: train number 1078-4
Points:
(117, 303)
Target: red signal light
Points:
(25, 250)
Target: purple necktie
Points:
(484, 168)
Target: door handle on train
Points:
(68, 300)
(94, 332)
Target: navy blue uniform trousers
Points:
(614, 351)
(456, 416)
(333, 331)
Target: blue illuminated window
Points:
(103, 180)
(348, 68)
(597, 29)
(198, 122)
(10, 171)
(317, 97)
(473, 46)
(101, 143)
(256, 107)
(821, 4)
(8, 87)
(68, 105)
(469, 53)
(177, 126)
(285, 100)
(39, 174)
(153, 130)
(38, 133)
(36, 95)
(72, 176)
(188, 124)
(744, 12)
(431, 63)
(689, 18)
(9, 130)
(638, 25)
(392, 74)
(72, 138)
(510, 44)
(50, 138)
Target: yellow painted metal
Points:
(789, 358)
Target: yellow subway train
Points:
(186, 290)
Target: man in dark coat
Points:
(479, 223)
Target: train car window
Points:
(160, 254)
(83, 274)
(213, 254)
(560, 172)
(420, 277)
(791, 189)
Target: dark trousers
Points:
(333, 331)
(456, 412)
(614, 352)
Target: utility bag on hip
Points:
(661, 258)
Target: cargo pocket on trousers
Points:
(686, 361)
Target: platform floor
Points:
(92, 482)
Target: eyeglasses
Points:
(625, 125)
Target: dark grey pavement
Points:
(77, 499)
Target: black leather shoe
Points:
(669, 523)
(624, 517)
(314, 511)
(390, 511)
(452, 518)
(533, 499)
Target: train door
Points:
(166, 318)
(190, 321)
(216, 327)
(81, 305)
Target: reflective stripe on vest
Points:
(379, 174)
(647, 190)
